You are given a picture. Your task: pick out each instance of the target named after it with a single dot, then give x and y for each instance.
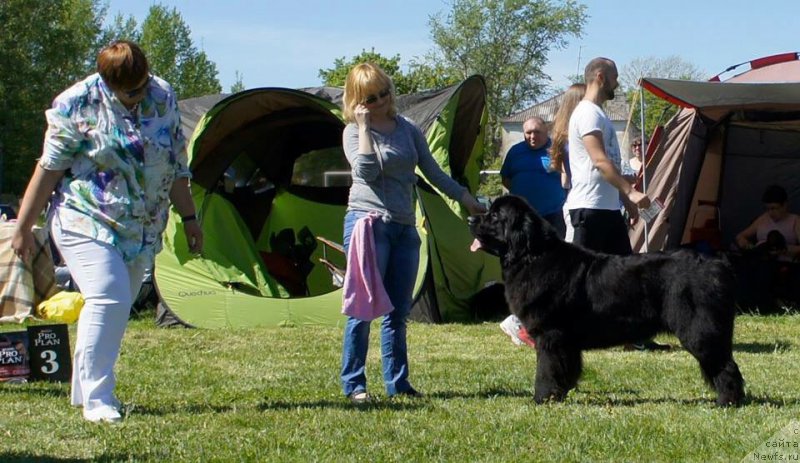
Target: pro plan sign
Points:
(49, 350)
(39, 354)
(14, 366)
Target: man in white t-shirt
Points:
(594, 160)
(597, 185)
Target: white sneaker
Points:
(511, 326)
(115, 403)
(104, 414)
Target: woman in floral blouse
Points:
(115, 156)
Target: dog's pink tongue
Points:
(476, 245)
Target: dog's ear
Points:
(538, 233)
(518, 233)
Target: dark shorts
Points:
(601, 230)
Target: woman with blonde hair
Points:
(559, 150)
(384, 149)
(560, 132)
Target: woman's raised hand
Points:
(361, 114)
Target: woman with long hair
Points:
(559, 149)
(384, 150)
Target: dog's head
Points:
(511, 226)
(769, 249)
(776, 241)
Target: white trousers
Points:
(108, 285)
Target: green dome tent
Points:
(453, 121)
(269, 176)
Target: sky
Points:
(285, 43)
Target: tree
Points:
(657, 111)
(166, 39)
(421, 77)
(336, 76)
(428, 74)
(507, 41)
(122, 28)
(669, 67)
(46, 45)
(238, 86)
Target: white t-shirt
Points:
(589, 189)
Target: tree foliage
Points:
(507, 41)
(669, 67)
(166, 39)
(429, 74)
(238, 85)
(420, 77)
(121, 28)
(657, 111)
(45, 46)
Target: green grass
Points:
(273, 395)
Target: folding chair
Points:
(337, 272)
(708, 231)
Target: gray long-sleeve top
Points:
(401, 151)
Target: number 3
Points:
(50, 358)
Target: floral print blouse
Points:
(120, 164)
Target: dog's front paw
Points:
(555, 395)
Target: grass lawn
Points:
(272, 394)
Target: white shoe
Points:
(511, 326)
(115, 403)
(103, 414)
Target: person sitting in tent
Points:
(771, 246)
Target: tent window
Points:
(322, 168)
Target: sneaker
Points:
(115, 403)
(526, 338)
(512, 326)
(104, 414)
(359, 397)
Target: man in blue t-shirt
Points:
(526, 172)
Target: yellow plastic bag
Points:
(64, 307)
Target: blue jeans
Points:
(397, 249)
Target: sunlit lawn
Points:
(272, 394)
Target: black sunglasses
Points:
(373, 98)
(136, 91)
(636, 144)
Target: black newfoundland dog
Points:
(571, 299)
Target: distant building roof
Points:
(616, 110)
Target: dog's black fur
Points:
(571, 299)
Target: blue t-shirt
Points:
(531, 177)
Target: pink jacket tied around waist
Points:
(364, 296)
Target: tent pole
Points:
(644, 155)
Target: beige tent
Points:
(715, 157)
